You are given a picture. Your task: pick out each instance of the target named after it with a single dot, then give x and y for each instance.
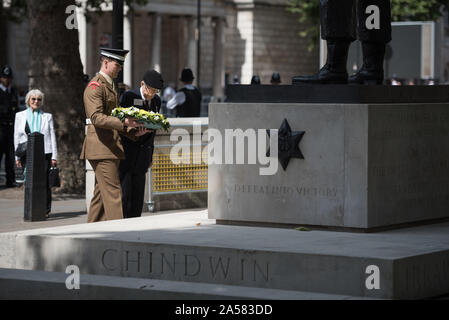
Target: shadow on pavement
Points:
(65, 215)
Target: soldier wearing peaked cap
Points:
(139, 154)
(9, 105)
(102, 146)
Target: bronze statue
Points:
(341, 21)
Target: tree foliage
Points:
(401, 10)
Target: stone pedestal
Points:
(175, 252)
(367, 166)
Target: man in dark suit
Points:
(139, 154)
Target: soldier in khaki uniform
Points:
(102, 146)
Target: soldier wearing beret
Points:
(139, 154)
(102, 146)
(9, 106)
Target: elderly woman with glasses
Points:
(33, 119)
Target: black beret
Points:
(153, 79)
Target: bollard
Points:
(36, 179)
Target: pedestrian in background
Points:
(188, 100)
(9, 106)
(276, 78)
(33, 119)
(255, 79)
(169, 93)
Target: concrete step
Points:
(39, 285)
(188, 247)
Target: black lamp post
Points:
(198, 56)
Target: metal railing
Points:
(166, 177)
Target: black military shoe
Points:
(367, 77)
(325, 76)
(372, 71)
(334, 71)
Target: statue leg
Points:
(338, 28)
(338, 20)
(374, 31)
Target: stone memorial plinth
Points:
(367, 166)
(179, 253)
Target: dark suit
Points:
(139, 155)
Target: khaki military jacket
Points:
(102, 138)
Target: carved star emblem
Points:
(288, 144)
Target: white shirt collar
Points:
(108, 78)
(189, 86)
(141, 94)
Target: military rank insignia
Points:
(94, 85)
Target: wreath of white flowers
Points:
(149, 119)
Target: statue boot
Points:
(372, 71)
(334, 71)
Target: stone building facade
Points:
(238, 38)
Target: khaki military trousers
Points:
(106, 203)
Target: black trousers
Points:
(133, 192)
(7, 149)
(346, 19)
(48, 157)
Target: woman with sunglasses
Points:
(33, 119)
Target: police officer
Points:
(102, 146)
(276, 79)
(9, 105)
(139, 154)
(188, 100)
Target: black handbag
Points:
(21, 150)
(53, 178)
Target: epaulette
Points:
(94, 85)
